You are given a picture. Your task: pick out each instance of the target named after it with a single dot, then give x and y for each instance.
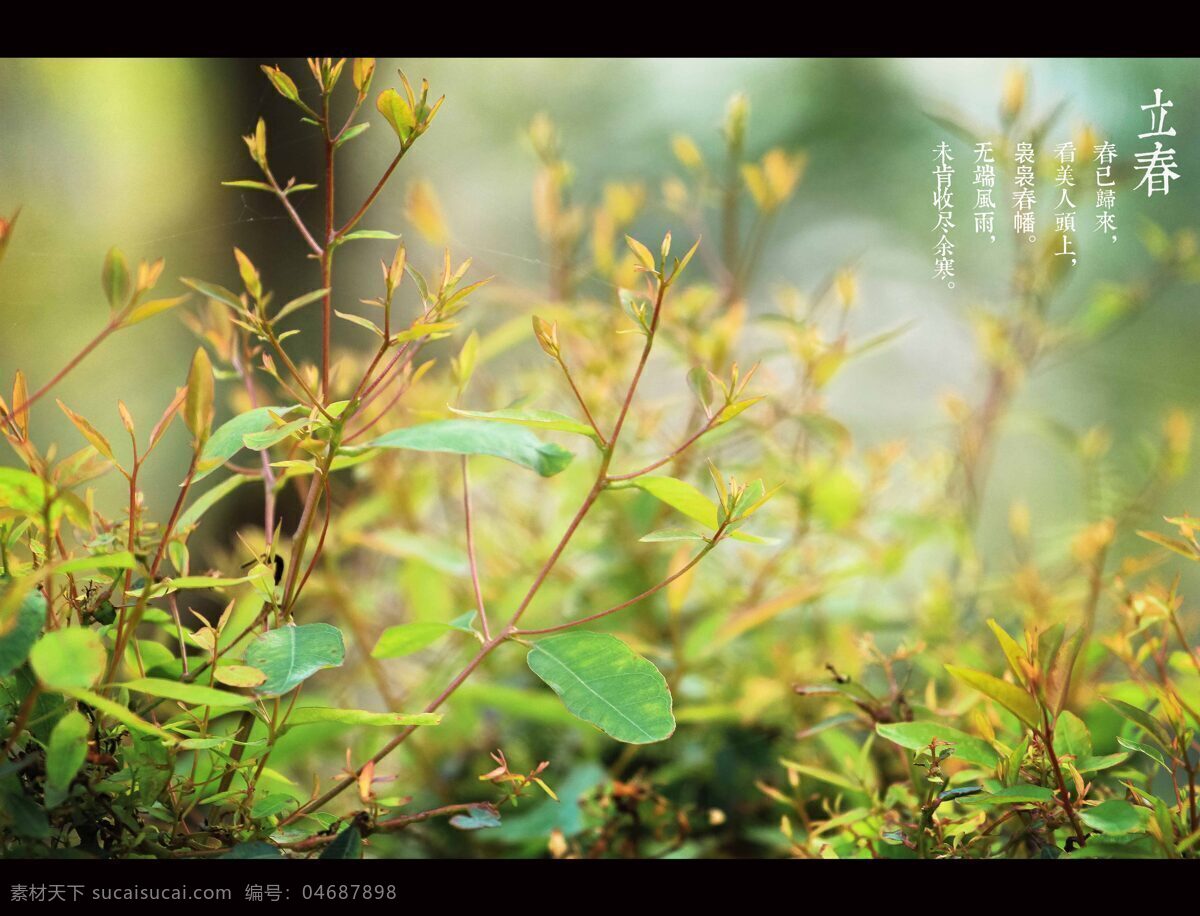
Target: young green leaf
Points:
(1016, 795)
(283, 83)
(215, 292)
(1116, 816)
(671, 534)
(121, 713)
(407, 638)
(1152, 752)
(1071, 737)
(249, 273)
(198, 408)
(464, 437)
(369, 234)
(114, 278)
(210, 498)
(397, 112)
(1011, 697)
(249, 184)
(680, 495)
(1012, 650)
(298, 303)
(89, 432)
(144, 310)
(350, 133)
(641, 252)
(229, 438)
(1142, 718)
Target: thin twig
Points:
(471, 558)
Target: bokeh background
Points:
(132, 153)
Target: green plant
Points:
(979, 675)
(136, 728)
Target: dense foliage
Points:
(505, 582)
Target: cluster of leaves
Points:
(135, 725)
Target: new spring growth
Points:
(362, 72)
(930, 759)
(250, 278)
(283, 83)
(501, 775)
(647, 264)
(257, 144)
(704, 384)
(122, 289)
(125, 291)
(737, 502)
(546, 333)
(286, 87)
(410, 114)
(114, 279)
(326, 72)
(393, 273)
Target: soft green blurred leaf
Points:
(467, 437)
(69, 659)
(65, 755)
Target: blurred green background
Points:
(132, 152)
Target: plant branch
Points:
(509, 629)
(113, 323)
(327, 261)
(312, 243)
(688, 443)
(471, 557)
(122, 638)
(379, 186)
(582, 403)
(683, 570)
(1047, 737)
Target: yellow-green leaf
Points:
(1010, 696)
(198, 408)
(1011, 648)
